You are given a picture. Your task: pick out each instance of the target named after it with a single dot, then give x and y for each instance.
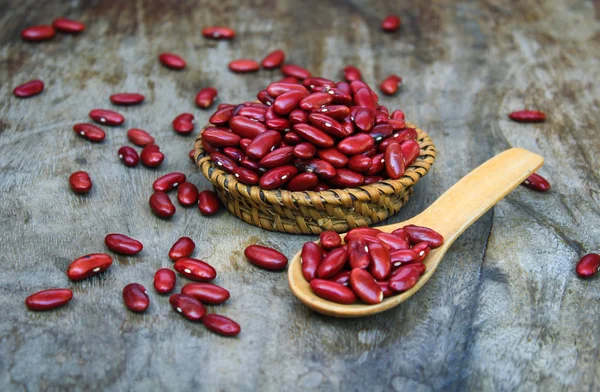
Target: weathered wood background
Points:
(504, 311)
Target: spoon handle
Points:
(462, 204)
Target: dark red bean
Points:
(364, 98)
(278, 157)
(168, 181)
(221, 116)
(298, 116)
(332, 291)
(273, 60)
(403, 256)
(234, 153)
(394, 161)
(303, 182)
(321, 168)
(208, 202)
(70, 26)
(398, 115)
(195, 269)
(80, 182)
(404, 278)
(390, 85)
(410, 151)
(151, 156)
(296, 71)
(537, 183)
(381, 117)
(342, 277)
(355, 144)
(364, 118)
(122, 244)
(29, 89)
(189, 307)
(292, 138)
(424, 234)
(359, 163)
(139, 137)
(365, 287)
(183, 124)
(277, 177)
(206, 293)
(390, 24)
(393, 242)
(351, 73)
(315, 100)
(89, 132)
(372, 179)
(361, 232)
(321, 186)
(246, 128)
(380, 265)
(380, 131)
(311, 259)
(332, 263)
(333, 156)
(218, 32)
(48, 299)
(339, 97)
(588, 265)
(264, 97)
(402, 234)
(338, 112)
(192, 156)
(385, 288)
(290, 79)
(38, 33)
(254, 112)
(304, 150)
(161, 205)
(318, 82)
(330, 239)
(314, 135)
(172, 61)
(527, 116)
(244, 66)
(187, 194)
(266, 258)
(127, 99)
(107, 117)
(422, 249)
(183, 247)
(358, 254)
(164, 280)
(278, 88)
(278, 124)
(347, 179)
(206, 97)
(327, 124)
(221, 325)
(263, 144)
(135, 297)
(287, 102)
(223, 161)
(128, 156)
(245, 176)
(88, 265)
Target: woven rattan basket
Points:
(313, 212)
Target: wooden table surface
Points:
(505, 310)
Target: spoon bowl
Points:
(450, 215)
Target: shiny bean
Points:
(195, 269)
(266, 258)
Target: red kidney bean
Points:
(318, 82)
(355, 144)
(403, 256)
(338, 112)
(168, 181)
(218, 32)
(304, 150)
(273, 59)
(393, 242)
(292, 138)
(161, 205)
(123, 244)
(333, 157)
(424, 234)
(135, 297)
(221, 325)
(320, 168)
(164, 280)
(264, 97)
(339, 97)
(298, 116)
(65, 25)
(80, 182)
(244, 143)
(332, 291)
(223, 162)
(38, 33)
(342, 277)
(208, 202)
(244, 66)
(127, 99)
(303, 182)
(385, 288)
(372, 179)
(311, 259)
(128, 156)
(364, 119)
(588, 265)
(183, 247)
(151, 156)
(139, 137)
(314, 135)
(410, 151)
(404, 278)
(295, 71)
(187, 194)
(277, 177)
(359, 163)
(380, 265)
(351, 73)
(278, 157)
(363, 98)
(191, 155)
(527, 116)
(106, 117)
(400, 125)
(381, 117)
(327, 125)
(287, 102)
(315, 100)
(195, 269)
(537, 183)
(278, 88)
(333, 263)
(278, 124)
(183, 124)
(234, 153)
(402, 234)
(398, 115)
(390, 85)
(390, 24)
(221, 116)
(189, 307)
(253, 112)
(244, 127)
(422, 249)
(206, 293)
(172, 61)
(321, 186)
(361, 232)
(206, 97)
(330, 239)
(266, 258)
(48, 299)
(29, 89)
(220, 138)
(380, 131)
(358, 252)
(245, 176)
(88, 265)
(89, 132)
(346, 179)
(263, 144)
(365, 287)
(394, 161)
(398, 137)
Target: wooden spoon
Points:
(449, 215)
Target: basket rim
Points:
(217, 176)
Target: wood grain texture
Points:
(504, 311)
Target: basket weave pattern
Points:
(311, 212)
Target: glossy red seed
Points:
(29, 89)
(135, 297)
(393, 242)
(338, 112)
(588, 265)
(107, 117)
(278, 157)
(385, 288)
(183, 247)
(527, 116)
(80, 182)
(122, 244)
(38, 33)
(410, 151)
(88, 265)
(537, 183)
(390, 85)
(221, 325)
(151, 156)
(221, 116)
(298, 116)
(183, 124)
(311, 257)
(364, 98)
(356, 144)
(304, 150)
(234, 153)
(192, 156)
(168, 181)
(218, 32)
(380, 266)
(245, 175)
(70, 26)
(404, 278)
(320, 167)
(89, 132)
(208, 202)
(48, 299)
(332, 263)
(266, 258)
(128, 156)
(246, 128)
(365, 287)
(254, 112)
(333, 156)
(398, 115)
(332, 291)
(195, 269)
(391, 23)
(394, 161)
(358, 255)
(361, 232)
(327, 124)
(187, 194)
(295, 71)
(330, 239)
(303, 182)
(315, 100)
(189, 307)
(359, 163)
(172, 61)
(287, 102)
(351, 73)
(424, 234)
(244, 66)
(277, 177)
(273, 59)
(139, 137)
(278, 88)
(161, 205)
(314, 135)
(342, 277)
(422, 249)
(207, 293)
(263, 144)
(206, 97)
(318, 83)
(164, 280)
(127, 99)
